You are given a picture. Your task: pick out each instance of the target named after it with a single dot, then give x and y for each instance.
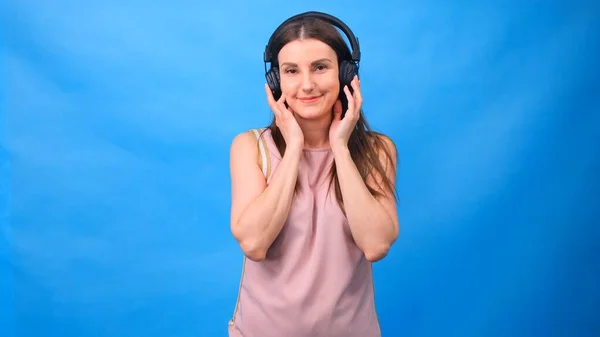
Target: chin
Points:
(309, 113)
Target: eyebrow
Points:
(312, 63)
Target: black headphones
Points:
(348, 68)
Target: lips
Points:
(310, 99)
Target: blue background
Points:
(117, 118)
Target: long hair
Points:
(364, 144)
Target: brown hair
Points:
(364, 144)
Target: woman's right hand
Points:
(285, 121)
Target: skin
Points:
(308, 68)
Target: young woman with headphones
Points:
(313, 194)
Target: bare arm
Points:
(258, 211)
(373, 221)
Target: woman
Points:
(314, 204)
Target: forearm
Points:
(372, 227)
(263, 219)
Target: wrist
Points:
(340, 150)
(294, 149)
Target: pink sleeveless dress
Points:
(315, 281)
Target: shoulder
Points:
(242, 139)
(243, 148)
(245, 140)
(385, 140)
(384, 145)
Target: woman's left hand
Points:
(341, 129)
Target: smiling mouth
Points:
(311, 99)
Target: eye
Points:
(290, 71)
(320, 67)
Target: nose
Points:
(307, 82)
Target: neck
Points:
(316, 132)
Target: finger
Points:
(357, 94)
(351, 104)
(271, 99)
(289, 108)
(269, 93)
(281, 106)
(337, 110)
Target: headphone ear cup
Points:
(272, 77)
(347, 71)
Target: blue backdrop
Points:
(117, 118)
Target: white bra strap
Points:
(263, 152)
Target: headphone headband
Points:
(268, 57)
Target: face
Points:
(309, 77)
